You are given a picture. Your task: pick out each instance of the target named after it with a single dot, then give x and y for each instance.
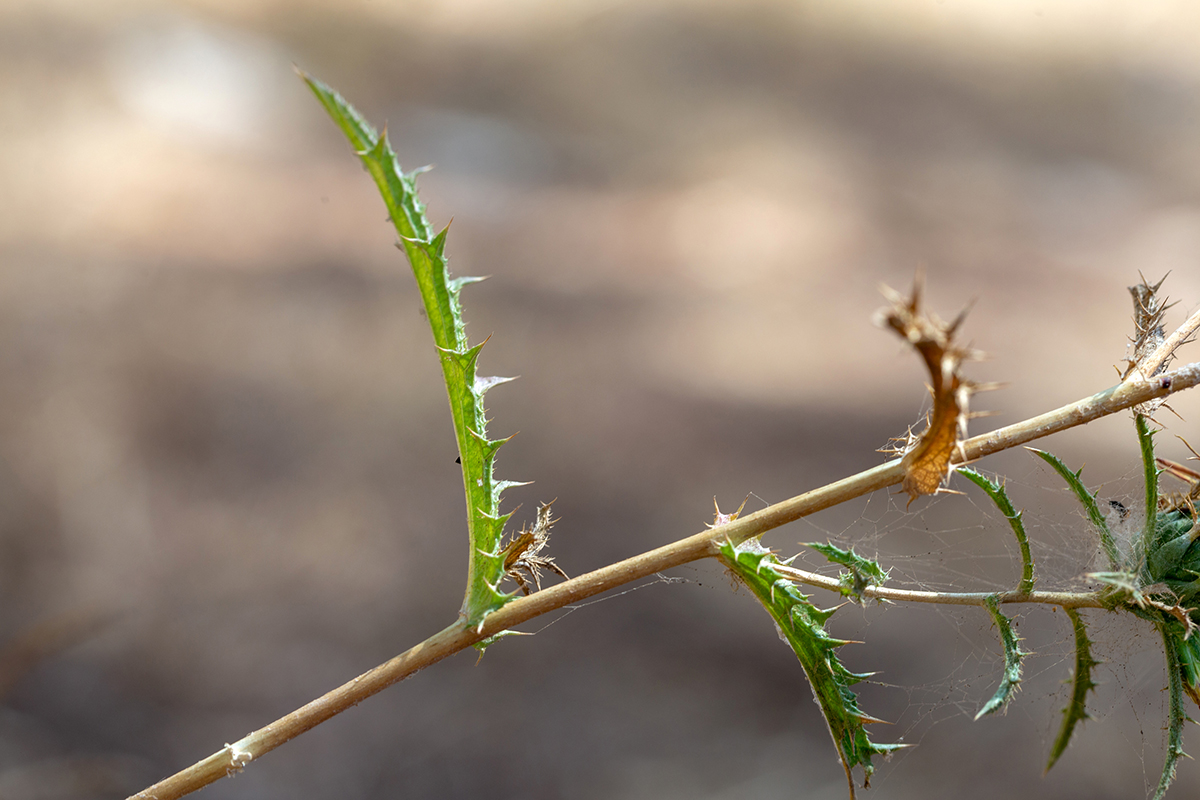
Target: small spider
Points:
(523, 561)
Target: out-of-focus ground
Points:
(227, 478)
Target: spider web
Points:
(938, 664)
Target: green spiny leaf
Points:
(802, 625)
(1013, 654)
(1089, 504)
(861, 572)
(999, 496)
(426, 252)
(1173, 641)
(1082, 683)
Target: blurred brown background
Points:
(227, 478)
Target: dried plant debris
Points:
(1152, 351)
(927, 456)
(1148, 335)
(523, 559)
(720, 518)
(1179, 501)
(1145, 359)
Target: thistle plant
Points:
(1156, 577)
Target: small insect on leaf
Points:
(1090, 506)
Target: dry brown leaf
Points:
(927, 456)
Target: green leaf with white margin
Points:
(1013, 654)
(999, 496)
(440, 294)
(1081, 684)
(802, 625)
(1088, 499)
(861, 572)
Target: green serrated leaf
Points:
(802, 625)
(999, 496)
(1081, 684)
(440, 294)
(1011, 680)
(861, 572)
(1088, 500)
(1173, 642)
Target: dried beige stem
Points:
(1063, 599)
(232, 758)
(1172, 343)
